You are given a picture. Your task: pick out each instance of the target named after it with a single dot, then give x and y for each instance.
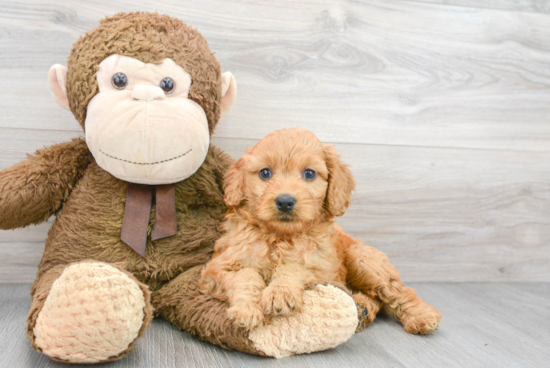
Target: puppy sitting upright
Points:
(280, 235)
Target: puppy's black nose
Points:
(285, 203)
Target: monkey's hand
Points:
(34, 189)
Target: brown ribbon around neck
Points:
(138, 211)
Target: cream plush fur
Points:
(140, 134)
(328, 318)
(103, 302)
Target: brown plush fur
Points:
(33, 190)
(64, 180)
(181, 303)
(89, 225)
(266, 256)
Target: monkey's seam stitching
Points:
(145, 163)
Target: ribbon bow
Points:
(139, 201)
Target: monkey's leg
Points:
(370, 272)
(328, 318)
(87, 312)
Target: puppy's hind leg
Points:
(369, 271)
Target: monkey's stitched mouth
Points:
(145, 163)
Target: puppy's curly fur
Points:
(270, 251)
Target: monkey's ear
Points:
(229, 91)
(340, 183)
(57, 76)
(234, 184)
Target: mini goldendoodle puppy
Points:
(280, 235)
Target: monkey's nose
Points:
(147, 93)
(285, 203)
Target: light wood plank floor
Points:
(484, 325)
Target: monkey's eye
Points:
(167, 85)
(309, 174)
(265, 174)
(119, 80)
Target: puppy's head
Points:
(290, 181)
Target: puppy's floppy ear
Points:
(234, 183)
(340, 183)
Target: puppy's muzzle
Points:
(285, 203)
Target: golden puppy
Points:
(280, 235)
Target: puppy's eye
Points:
(119, 80)
(309, 174)
(167, 85)
(265, 174)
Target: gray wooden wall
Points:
(442, 108)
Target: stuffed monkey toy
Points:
(138, 203)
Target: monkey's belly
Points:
(89, 227)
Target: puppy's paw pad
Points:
(423, 324)
(281, 300)
(245, 315)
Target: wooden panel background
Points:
(442, 108)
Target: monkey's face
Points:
(149, 110)
(141, 126)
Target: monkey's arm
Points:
(34, 189)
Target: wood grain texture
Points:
(440, 106)
(535, 6)
(484, 325)
(444, 215)
(399, 72)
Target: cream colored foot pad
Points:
(328, 318)
(93, 312)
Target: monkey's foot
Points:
(327, 319)
(93, 313)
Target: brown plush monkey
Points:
(148, 93)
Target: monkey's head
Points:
(148, 92)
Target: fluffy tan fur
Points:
(266, 256)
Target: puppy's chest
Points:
(316, 256)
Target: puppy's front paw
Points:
(281, 300)
(422, 322)
(247, 315)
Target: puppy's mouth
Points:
(285, 218)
